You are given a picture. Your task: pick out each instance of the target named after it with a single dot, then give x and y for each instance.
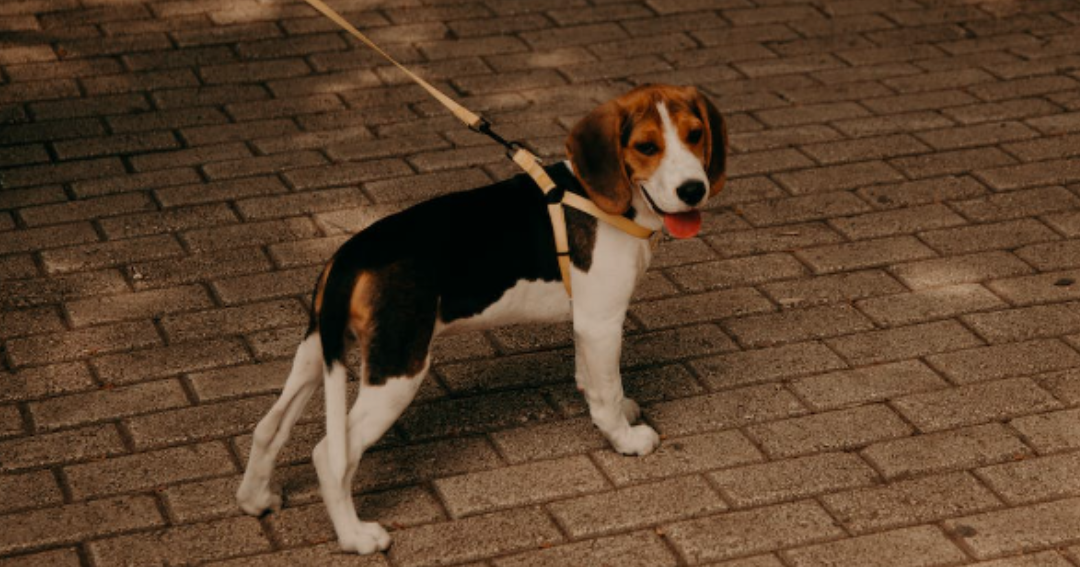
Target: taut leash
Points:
(525, 159)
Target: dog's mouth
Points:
(679, 225)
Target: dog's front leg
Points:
(598, 342)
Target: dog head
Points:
(660, 148)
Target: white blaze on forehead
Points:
(677, 166)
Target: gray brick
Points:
(637, 506)
(972, 268)
(948, 450)
(791, 479)
(766, 365)
(923, 546)
(865, 254)
(752, 531)
(192, 543)
(842, 429)
(975, 403)
(78, 409)
(1033, 480)
(1004, 361)
(868, 384)
(897, 221)
(642, 549)
(724, 410)
(486, 491)
(1051, 432)
(76, 522)
(1015, 530)
(1013, 325)
(73, 445)
(680, 456)
(930, 304)
(493, 534)
(834, 288)
(142, 471)
(710, 306)
(792, 325)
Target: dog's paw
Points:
(365, 538)
(631, 410)
(257, 502)
(636, 440)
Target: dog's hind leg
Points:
(254, 494)
(374, 412)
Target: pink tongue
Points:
(683, 225)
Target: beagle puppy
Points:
(483, 258)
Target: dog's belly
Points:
(527, 301)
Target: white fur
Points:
(677, 166)
(536, 301)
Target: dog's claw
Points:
(366, 538)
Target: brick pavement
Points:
(871, 356)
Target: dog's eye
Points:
(694, 136)
(647, 148)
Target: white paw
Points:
(636, 440)
(257, 502)
(365, 538)
(631, 410)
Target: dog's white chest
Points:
(527, 301)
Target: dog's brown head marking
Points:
(621, 142)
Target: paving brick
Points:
(752, 531)
(1012, 325)
(198, 268)
(1017, 204)
(804, 208)
(1031, 174)
(978, 135)
(954, 270)
(922, 546)
(867, 384)
(77, 522)
(197, 422)
(679, 456)
(791, 325)
(637, 506)
(110, 253)
(143, 471)
(632, 550)
(1050, 432)
(250, 234)
(73, 345)
(766, 365)
(1015, 530)
(975, 403)
(864, 254)
(110, 403)
(233, 320)
(135, 182)
(136, 305)
(486, 491)
(910, 501)
(400, 508)
(913, 121)
(462, 416)
(736, 272)
(834, 288)
(1005, 235)
(792, 479)
(897, 221)
(46, 237)
(179, 544)
(783, 238)
(493, 534)
(328, 554)
(709, 306)
(1066, 223)
(842, 429)
(1065, 385)
(1015, 109)
(838, 177)
(268, 285)
(724, 410)
(948, 450)
(1034, 480)
(955, 162)
(44, 381)
(1005, 360)
(923, 192)
(36, 489)
(927, 305)
(73, 445)
(60, 557)
(187, 157)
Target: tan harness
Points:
(525, 159)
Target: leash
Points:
(556, 197)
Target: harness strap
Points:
(519, 155)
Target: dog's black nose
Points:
(691, 192)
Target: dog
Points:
(483, 258)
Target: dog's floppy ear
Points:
(595, 150)
(716, 143)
